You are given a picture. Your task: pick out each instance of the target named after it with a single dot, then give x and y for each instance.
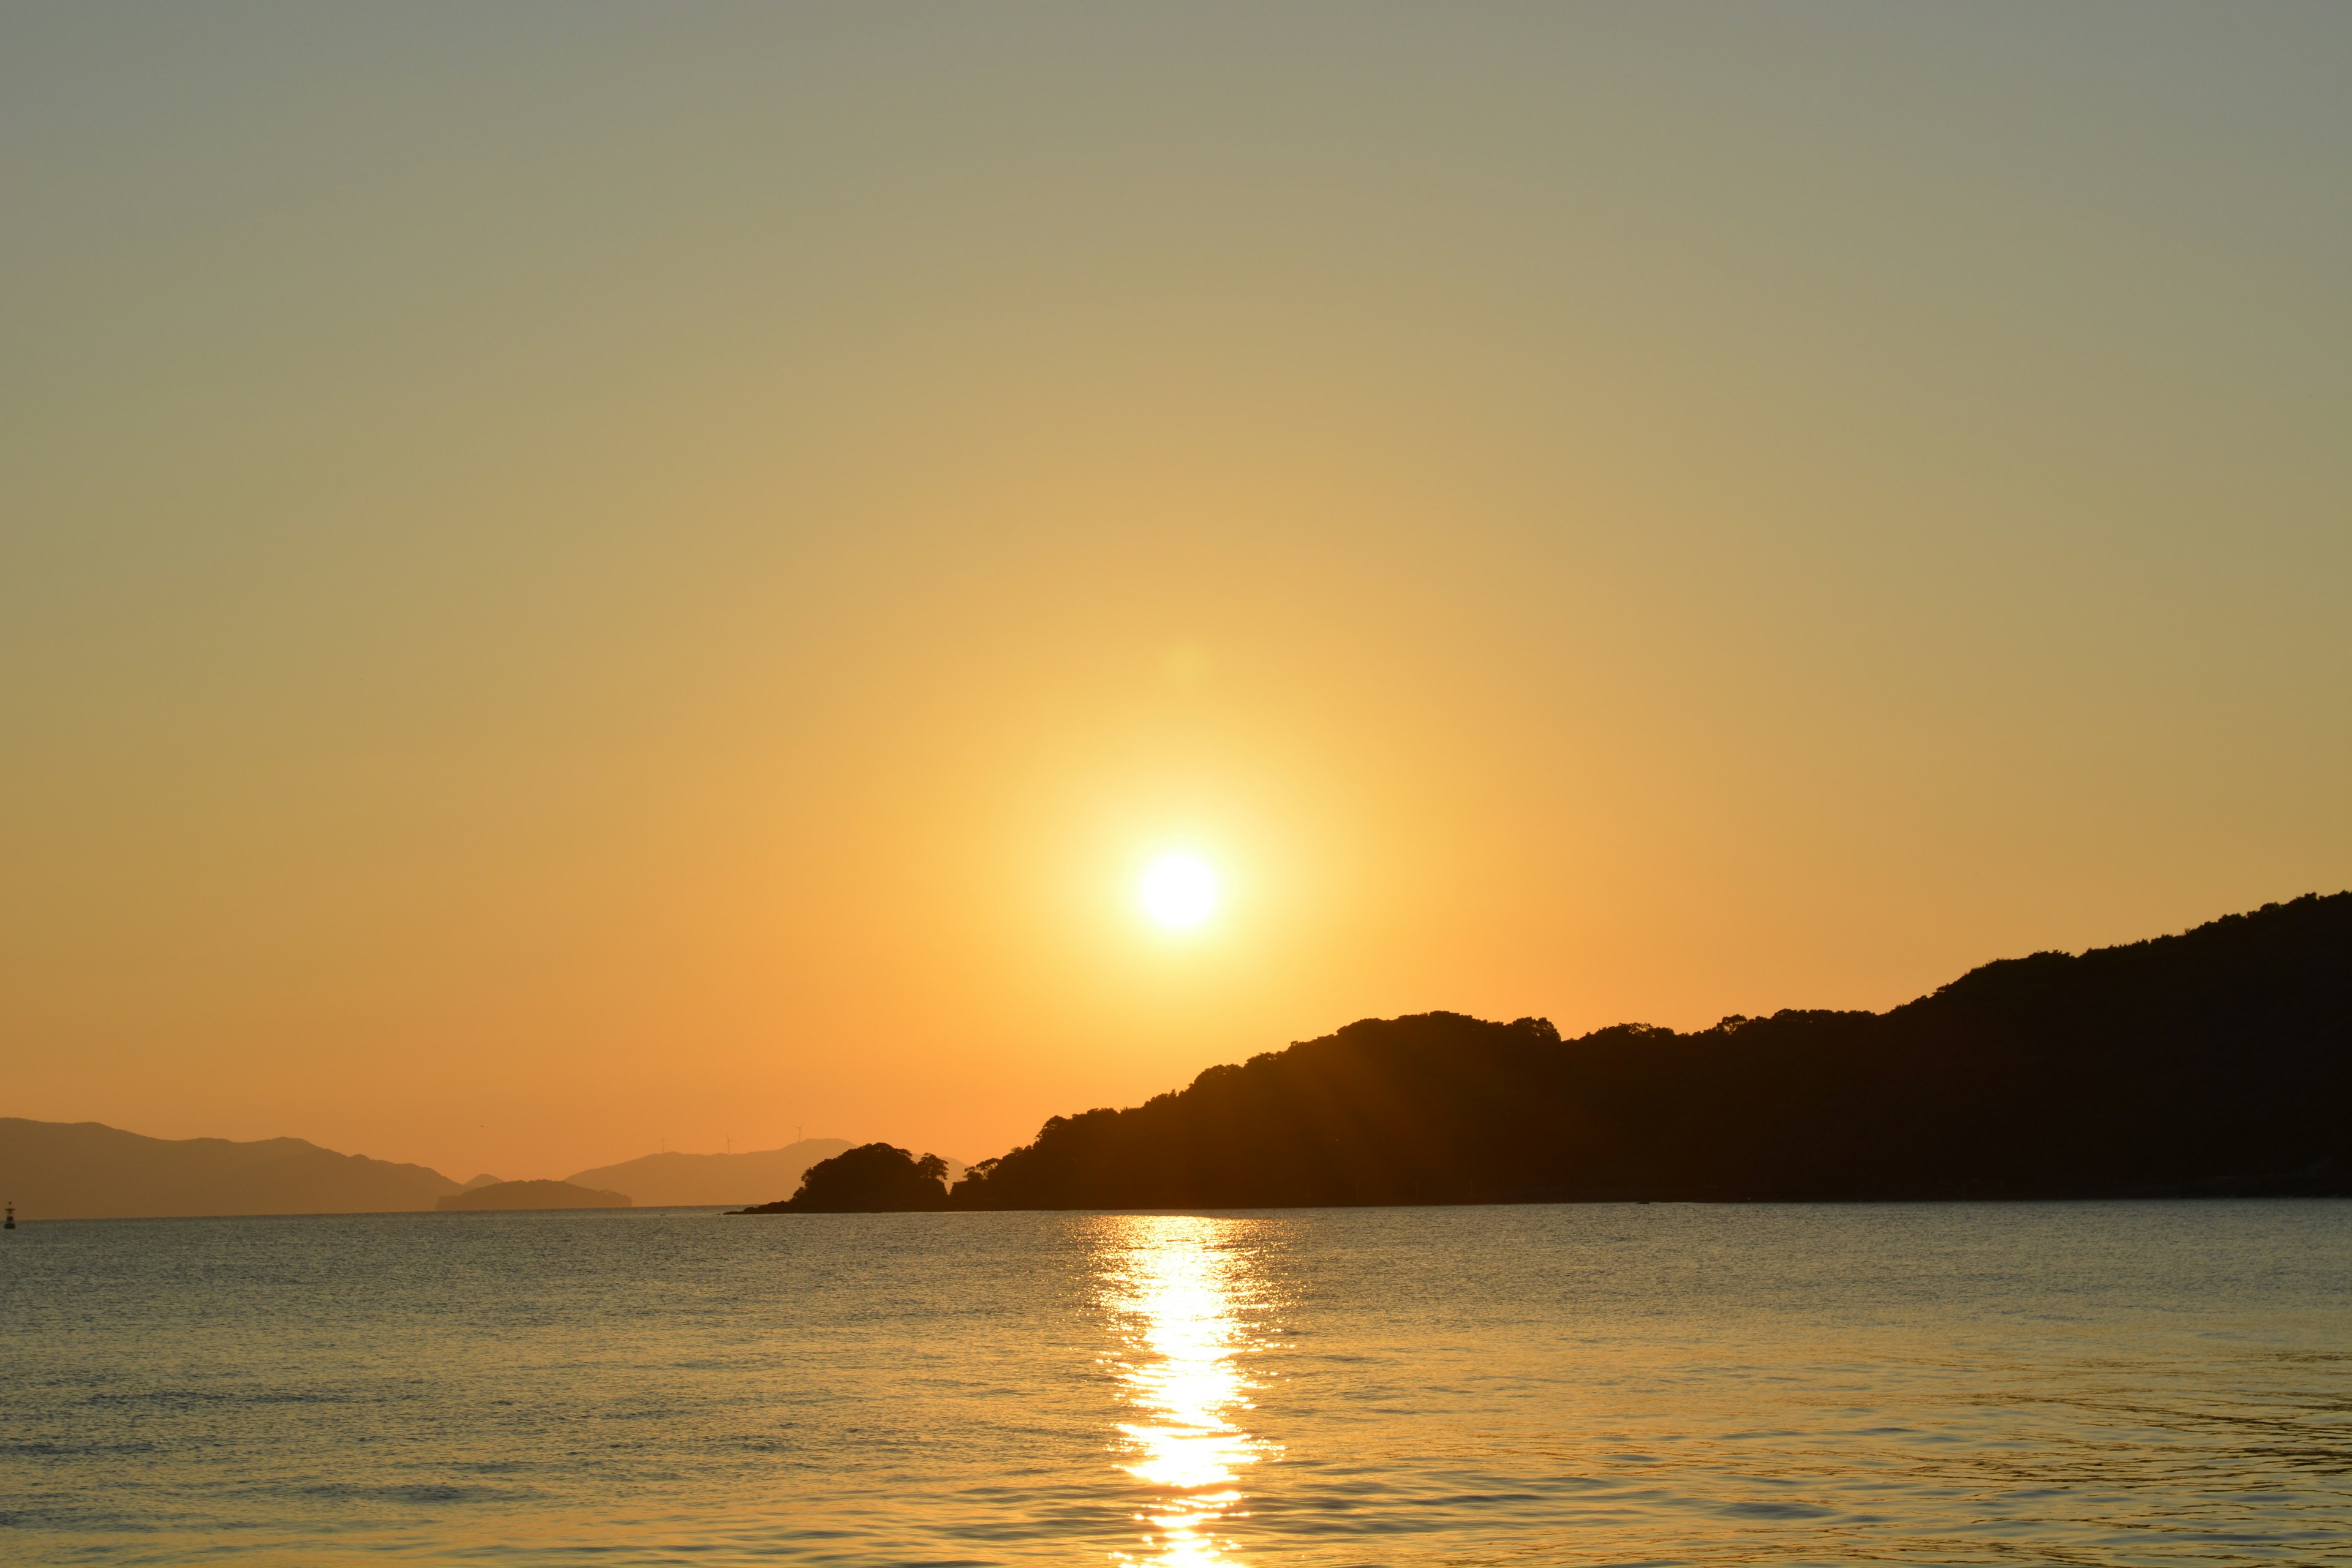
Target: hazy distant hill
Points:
(658, 1181)
(83, 1170)
(531, 1196)
(2216, 1062)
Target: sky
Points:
(582, 578)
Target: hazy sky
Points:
(574, 576)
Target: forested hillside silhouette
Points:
(2215, 1062)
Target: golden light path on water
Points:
(1185, 1296)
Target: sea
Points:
(2016, 1384)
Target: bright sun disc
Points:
(1178, 890)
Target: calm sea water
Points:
(2039, 1383)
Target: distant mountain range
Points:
(85, 1169)
(2218, 1062)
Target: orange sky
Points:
(577, 577)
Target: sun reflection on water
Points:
(1184, 1294)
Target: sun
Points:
(1178, 890)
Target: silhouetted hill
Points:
(658, 1181)
(84, 1170)
(2216, 1062)
(503, 1196)
(874, 1178)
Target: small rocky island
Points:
(532, 1196)
(874, 1178)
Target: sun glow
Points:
(1179, 890)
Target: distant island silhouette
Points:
(2216, 1063)
(680, 1180)
(504, 1196)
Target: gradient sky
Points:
(575, 576)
